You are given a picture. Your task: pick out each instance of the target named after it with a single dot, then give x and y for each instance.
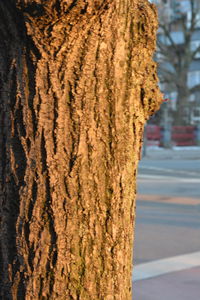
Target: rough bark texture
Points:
(77, 84)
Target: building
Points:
(178, 56)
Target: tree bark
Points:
(77, 84)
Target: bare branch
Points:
(194, 89)
(193, 15)
(172, 75)
(195, 52)
(168, 35)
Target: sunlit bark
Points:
(77, 84)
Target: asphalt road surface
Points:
(180, 178)
(168, 209)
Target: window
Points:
(197, 19)
(195, 115)
(192, 98)
(196, 112)
(193, 78)
(194, 45)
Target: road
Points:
(168, 209)
(178, 178)
(167, 241)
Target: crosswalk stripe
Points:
(165, 170)
(168, 178)
(165, 266)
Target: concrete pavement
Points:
(171, 278)
(166, 253)
(167, 265)
(179, 285)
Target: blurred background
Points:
(178, 57)
(167, 242)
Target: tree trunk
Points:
(77, 84)
(182, 99)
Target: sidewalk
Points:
(181, 285)
(155, 152)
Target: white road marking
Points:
(168, 178)
(165, 266)
(168, 170)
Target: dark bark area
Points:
(77, 85)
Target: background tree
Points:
(77, 84)
(178, 23)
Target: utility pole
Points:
(167, 143)
(144, 146)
